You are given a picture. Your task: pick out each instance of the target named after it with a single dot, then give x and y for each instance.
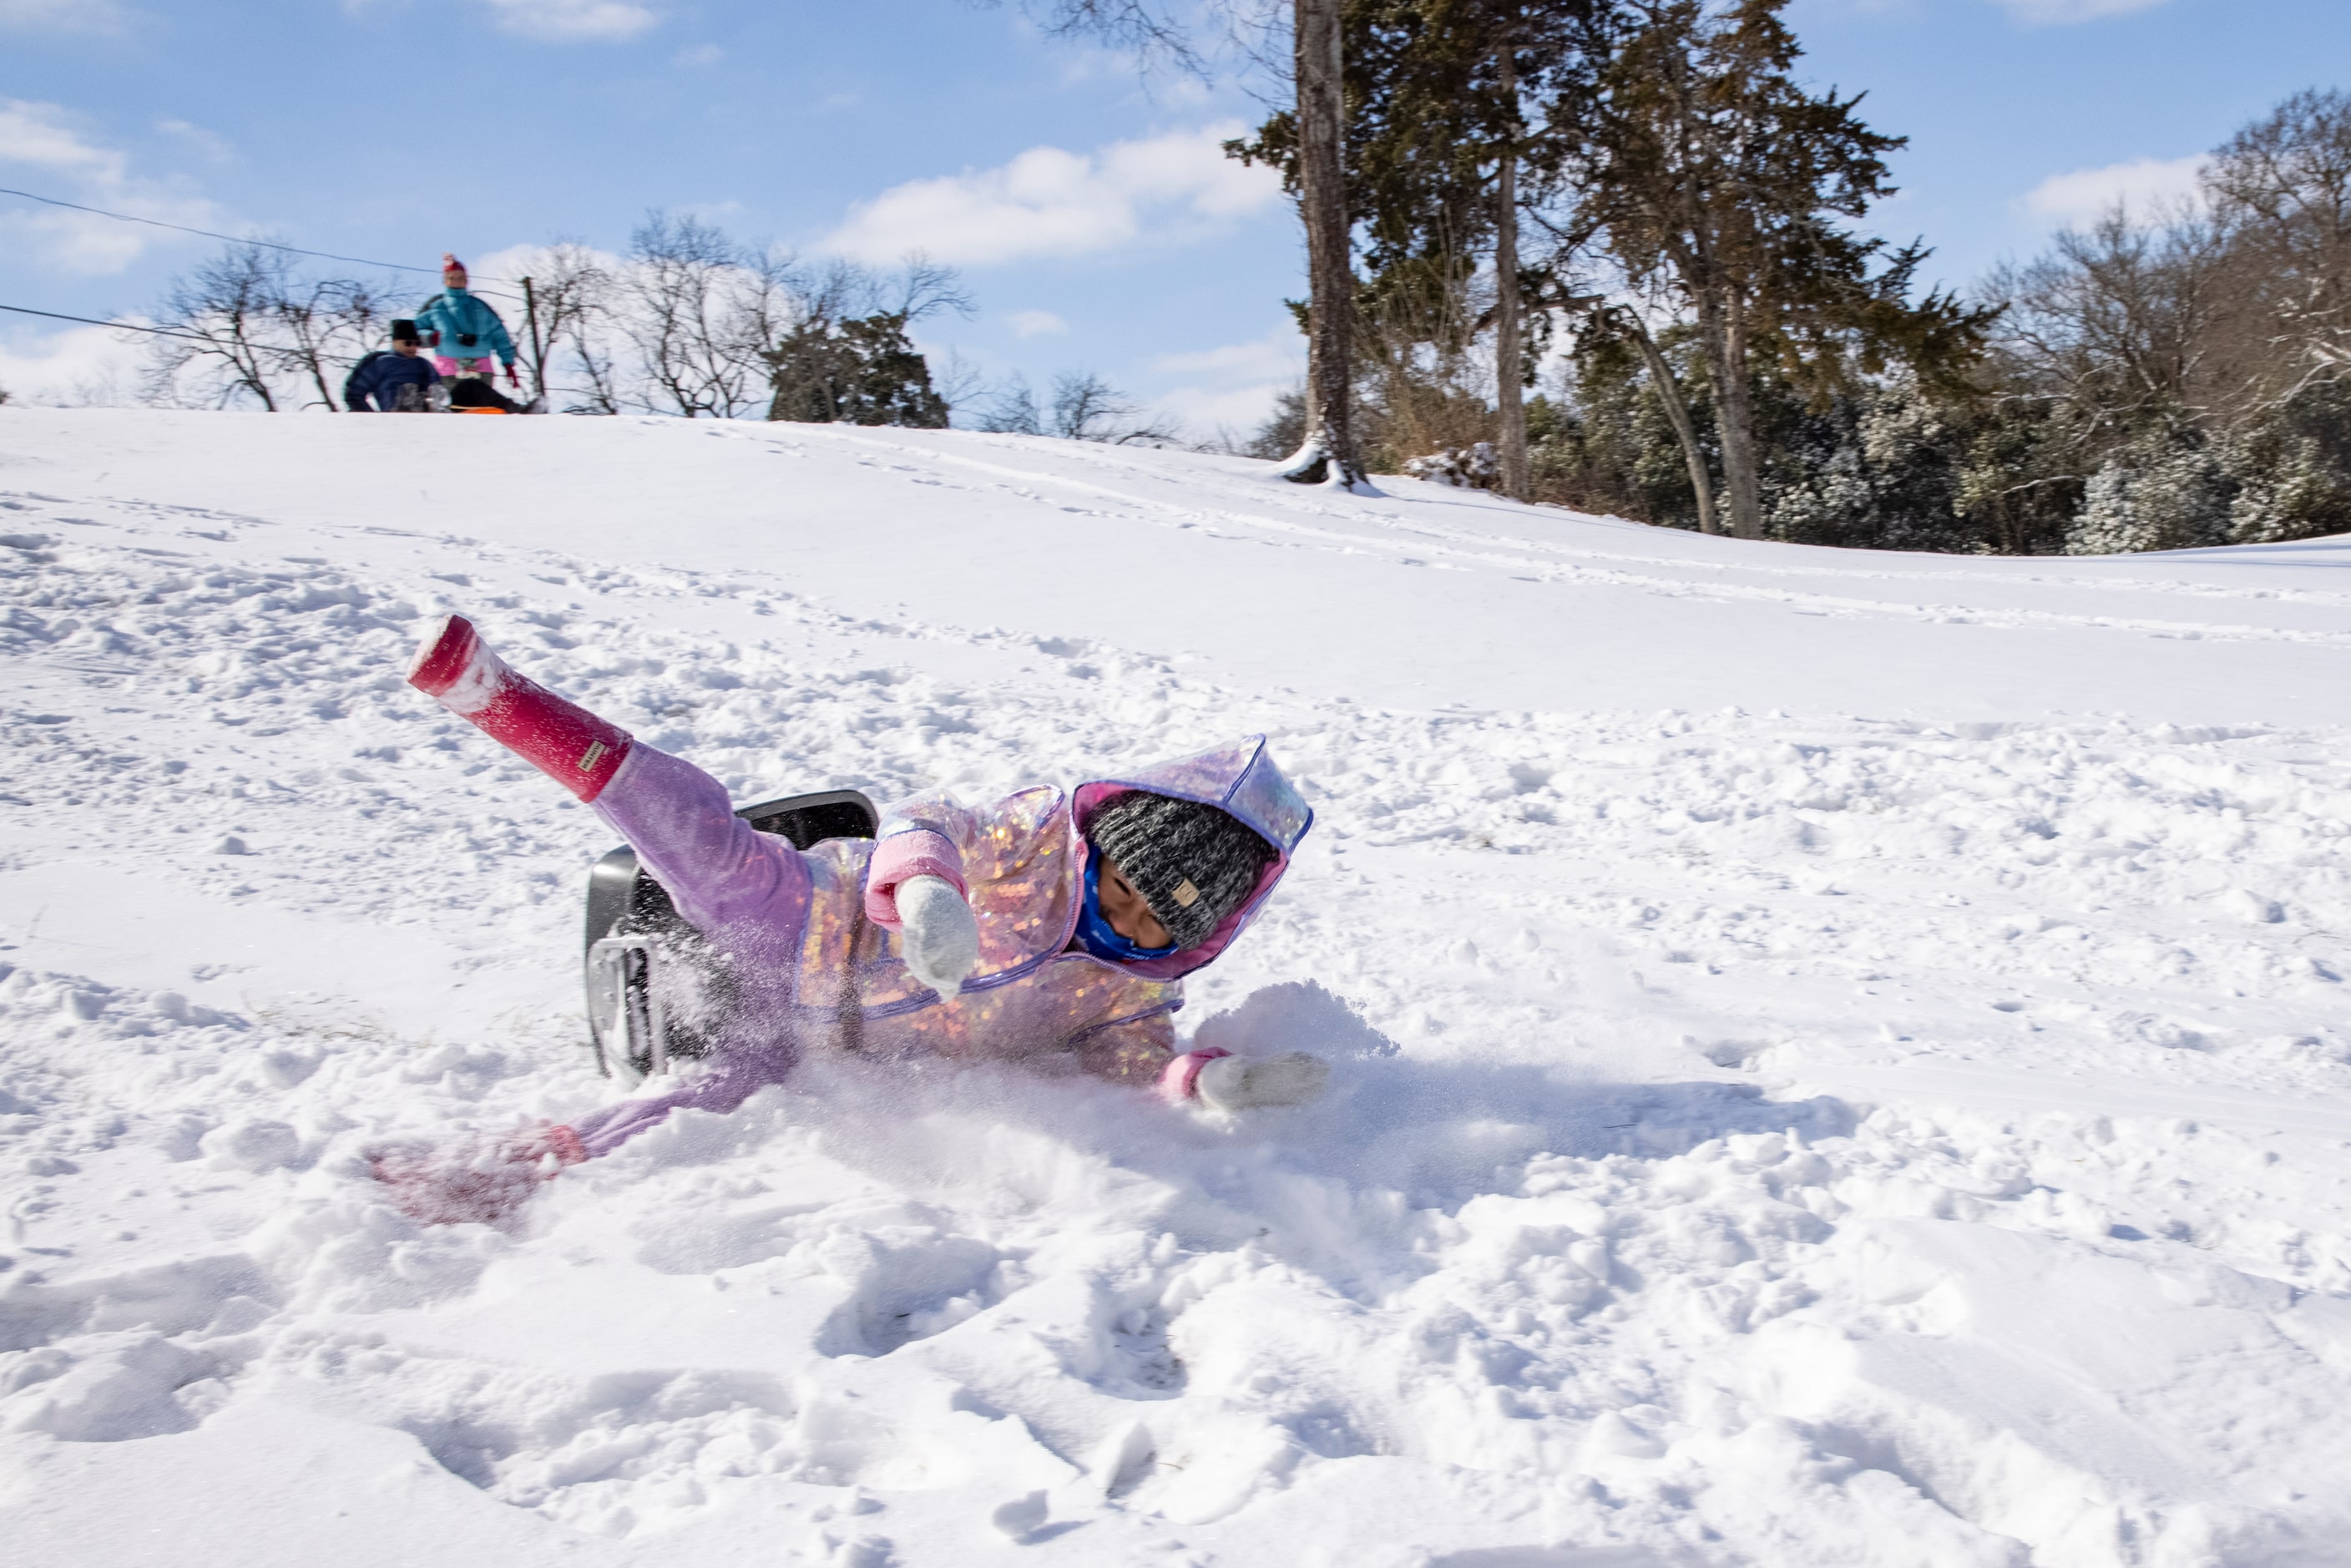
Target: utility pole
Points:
(537, 352)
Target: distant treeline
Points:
(1617, 243)
(1681, 214)
(688, 322)
(2155, 381)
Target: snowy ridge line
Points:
(1723, 1101)
(1259, 493)
(1447, 544)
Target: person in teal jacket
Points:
(462, 330)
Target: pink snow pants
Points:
(748, 893)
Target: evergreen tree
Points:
(1714, 172)
(1440, 156)
(862, 370)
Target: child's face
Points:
(403, 348)
(1125, 910)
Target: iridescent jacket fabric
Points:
(1032, 997)
(810, 971)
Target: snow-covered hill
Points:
(1842, 1056)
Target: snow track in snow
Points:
(1757, 1139)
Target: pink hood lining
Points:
(1220, 778)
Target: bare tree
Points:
(2281, 192)
(1144, 27)
(703, 312)
(223, 314)
(959, 381)
(2117, 319)
(1082, 407)
(1011, 410)
(246, 323)
(570, 293)
(1088, 408)
(323, 323)
(1420, 384)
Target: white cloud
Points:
(43, 135)
(506, 268)
(2141, 185)
(573, 21)
(79, 365)
(1233, 388)
(212, 144)
(1049, 202)
(1278, 356)
(1035, 323)
(699, 55)
(61, 15)
(44, 141)
(2058, 13)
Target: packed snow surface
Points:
(1839, 1057)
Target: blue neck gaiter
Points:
(1095, 933)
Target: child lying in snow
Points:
(1046, 929)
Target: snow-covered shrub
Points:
(1473, 467)
(2295, 470)
(2154, 495)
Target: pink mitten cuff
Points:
(1178, 1083)
(916, 852)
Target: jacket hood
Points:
(1239, 779)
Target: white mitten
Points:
(1238, 1083)
(939, 939)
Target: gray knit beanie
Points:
(1193, 863)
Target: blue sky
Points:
(1092, 220)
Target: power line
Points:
(94, 322)
(232, 240)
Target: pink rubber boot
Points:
(562, 740)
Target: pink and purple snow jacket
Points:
(809, 938)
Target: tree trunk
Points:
(1509, 406)
(1327, 456)
(1661, 377)
(318, 379)
(247, 361)
(1725, 333)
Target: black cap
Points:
(404, 330)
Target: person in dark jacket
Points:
(398, 380)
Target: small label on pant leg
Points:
(588, 758)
